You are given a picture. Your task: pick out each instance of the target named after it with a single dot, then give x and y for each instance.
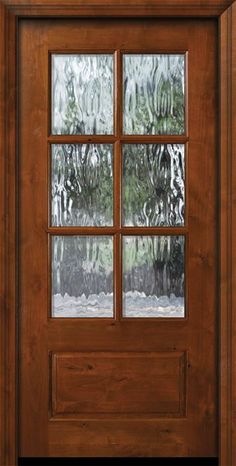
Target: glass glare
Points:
(82, 94)
(153, 185)
(153, 94)
(153, 276)
(82, 276)
(82, 185)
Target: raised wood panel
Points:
(148, 384)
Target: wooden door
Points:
(117, 237)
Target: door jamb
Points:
(11, 11)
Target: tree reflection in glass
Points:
(153, 95)
(153, 185)
(82, 94)
(82, 276)
(82, 185)
(153, 276)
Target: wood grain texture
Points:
(12, 246)
(228, 346)
(154, 3)
(233, 229)
(146, 439)
(33, 349)
(155, 139)
(119, 384)
(3, 355)
(8, 400)
(195, 334)
(97, 8)
(227, 433)
(225, 292)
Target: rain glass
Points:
(82, 276)
(82, 185)
(153, 94)
(153, 185)
(153, 276)
(82, 94)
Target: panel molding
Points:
(10, 13)
(73, 373)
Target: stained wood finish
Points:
(10, 14)
(233, 238)
(64, 139)
(103, 8)
(227, 431)
(8, 250)
(137, 434)
(3, 358)
(119, 383)
(190, 435)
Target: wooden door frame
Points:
(11, 11)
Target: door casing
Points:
(11, 12)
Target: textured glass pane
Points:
(153, 276)
(82, 276)
(82, 185)
(153, 94)
(82, 94)
(153, 184)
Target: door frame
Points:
(11, 11)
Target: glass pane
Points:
(153, 276)
(82, 94)
(82, 276)
(153, 184)
(82, 185)
(153, 94)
